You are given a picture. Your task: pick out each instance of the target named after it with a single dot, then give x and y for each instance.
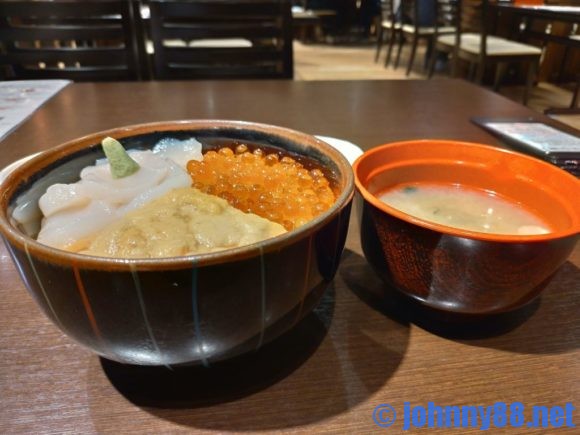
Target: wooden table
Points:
(358, 350)
(544, 12)
(562, 14)
(562, 19)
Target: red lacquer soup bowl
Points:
(180, 310)
(458, 270)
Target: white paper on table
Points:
(21, 98)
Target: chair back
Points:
(408, 11)
(420, 13)
(447, 13)
(471, 15)
(222, 39)
(76, 40)
(388, 10)
(474, 17)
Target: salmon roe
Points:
(281, 190)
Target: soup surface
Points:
(464, 208)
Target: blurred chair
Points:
(221, 39)
(570, 43)
(389, 27)
(422, 19)
(439, 48)
(84, 40)
(574, 104)
(473, 43)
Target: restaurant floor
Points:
(356, 62)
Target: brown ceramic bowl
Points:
(181, 310)
(458, 270)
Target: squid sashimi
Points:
(73, 213)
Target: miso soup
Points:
(464, 208)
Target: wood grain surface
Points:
(363, 346)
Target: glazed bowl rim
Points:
(573, 230)
(45, 158)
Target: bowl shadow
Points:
(158, 387)
(536, 328)
(334, 359)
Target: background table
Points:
(560, 47)
(361, 348)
